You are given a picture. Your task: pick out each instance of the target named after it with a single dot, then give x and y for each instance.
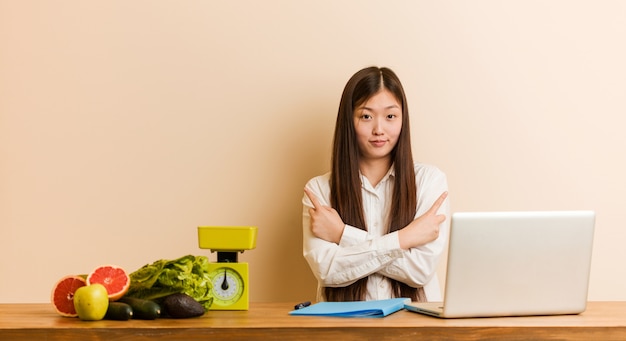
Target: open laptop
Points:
(516, 264)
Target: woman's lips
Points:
(378, 143)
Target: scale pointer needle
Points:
(225, 282)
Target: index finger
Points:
(313, 198)
(435, 207)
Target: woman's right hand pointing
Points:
(325, 221)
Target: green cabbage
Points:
(188, 274)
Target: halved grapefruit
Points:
(62, 297)
(114, 279)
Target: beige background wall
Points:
(126, 124)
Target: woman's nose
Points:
(377, 129)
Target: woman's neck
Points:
(375, 170)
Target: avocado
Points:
(182, 306)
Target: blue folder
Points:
(377, 308)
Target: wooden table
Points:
(270, 321)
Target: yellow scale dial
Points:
(229, 286)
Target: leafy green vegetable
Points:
(188, 274)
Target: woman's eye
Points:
(366, 116)
(392, 116)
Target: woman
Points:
(375, 226)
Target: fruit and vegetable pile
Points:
(178, 288)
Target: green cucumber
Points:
(119, 311)
(142, 309)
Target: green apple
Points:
(91, 302)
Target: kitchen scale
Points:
(229, 278)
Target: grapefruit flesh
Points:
(62, 297)
(114, 279)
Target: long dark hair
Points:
(345, 183)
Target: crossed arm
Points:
(340, 254)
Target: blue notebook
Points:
(377, 308)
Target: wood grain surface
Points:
(270, 321)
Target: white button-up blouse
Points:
(373, 253)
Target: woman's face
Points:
(378, 122)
